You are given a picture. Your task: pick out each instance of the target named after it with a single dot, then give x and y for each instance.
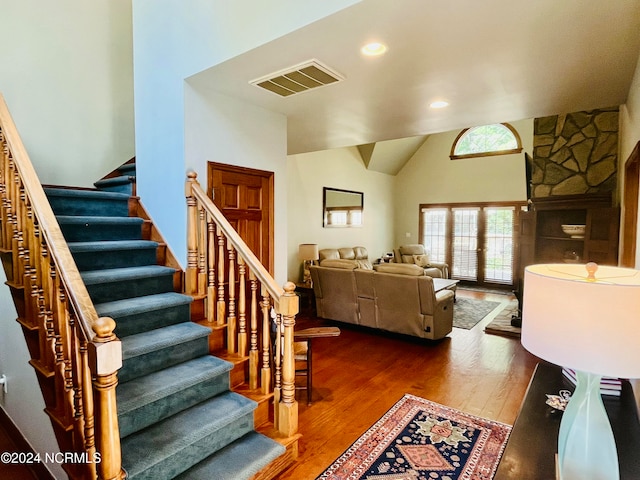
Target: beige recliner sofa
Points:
(416, 254)
(394, 297)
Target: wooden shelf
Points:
(543, 241)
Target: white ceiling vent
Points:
(298, 79)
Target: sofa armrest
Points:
(444, 296)
(443, 267)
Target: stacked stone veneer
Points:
(575, 153)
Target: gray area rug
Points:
(467, 312)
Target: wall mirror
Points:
(342, 208)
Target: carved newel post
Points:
(105, 360)
(288, 406)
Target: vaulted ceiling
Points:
(493, 61)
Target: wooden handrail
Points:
(234, 238)
(77, 348)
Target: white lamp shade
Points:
(591, 326)
(308, 251)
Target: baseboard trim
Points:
(23, 445)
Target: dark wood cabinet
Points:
(533, 443)
(542, 239)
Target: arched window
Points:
(485, 140)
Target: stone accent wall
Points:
(575, 153)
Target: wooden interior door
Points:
(630, 216)
(245, 197)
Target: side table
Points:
(307, 299)
(533, 443)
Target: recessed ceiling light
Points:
(373, 49)
(439, 104)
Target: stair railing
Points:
(74, 352)
(218, 263)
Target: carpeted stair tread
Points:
(149, 399)
(177, 443)
(96, 219)
(108, 182)
(160, 338)
(113, 284)
(79, 228)
(128, 169)
(156, 385)
(240, 460)
(151, 351)
(148, 303)
(111, 245)
(93, 277)
(88, 202)
(84, 194)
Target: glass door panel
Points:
(434, 237)
(465, 244)
(498, 245)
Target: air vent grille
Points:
(298, 79)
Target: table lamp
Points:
(586, 318)
(308, 253)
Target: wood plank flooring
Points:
(10, 442)
(359, 375)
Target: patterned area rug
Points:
(467, 312)
(422, 440)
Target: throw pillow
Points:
(421, 260)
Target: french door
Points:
(476, 240)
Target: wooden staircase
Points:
(77, 355)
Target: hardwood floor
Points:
(359, 375)
(9, 442)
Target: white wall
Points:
(430, 176)
(173, 40)
(630, 135)
(224, 130)
(341, 168)
(67, 76)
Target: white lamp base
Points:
(586, 447)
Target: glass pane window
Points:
(465, 244)
(434, 237)
(494, 139)
(499, 245)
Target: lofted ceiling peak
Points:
(390, 156)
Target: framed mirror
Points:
(341, 208)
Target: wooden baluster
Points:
(232, 341)
(4, 192)
(253, 342)
(220, 304)
(191, 273)
(277, 368)
(106, 359)
(242, 307)
(265, 378)
(18, 241)
(202, 252)
(288, 406)
(55, 322)
(85, 423)
(211, 270)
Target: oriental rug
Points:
(467, 312)
(421, 440)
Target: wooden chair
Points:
(302, 348)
